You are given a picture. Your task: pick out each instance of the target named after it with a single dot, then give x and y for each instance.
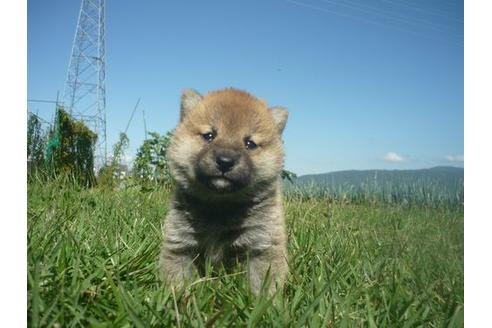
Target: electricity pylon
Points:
(85, 92)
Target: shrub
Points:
(36, 141)
(109, 174)
(70, 149)
(150, 164)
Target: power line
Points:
(428, 11)
(358, 18)
(42, 120)
(415, 21)
(45, 101)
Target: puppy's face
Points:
(226, 143)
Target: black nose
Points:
(225, 163)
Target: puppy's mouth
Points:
(222, 183)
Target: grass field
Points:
(92, 261)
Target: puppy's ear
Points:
(189, 99)
(280, 115)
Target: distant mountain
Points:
(444, 176)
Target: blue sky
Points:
(369, 84)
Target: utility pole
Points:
(131, 116)
(145, 123)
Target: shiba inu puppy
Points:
(226, 156)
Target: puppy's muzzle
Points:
(226, 160)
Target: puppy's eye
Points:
(209, 136)
(250, 144)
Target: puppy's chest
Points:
(219, 242)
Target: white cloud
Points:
(393, 157)
(455, 158)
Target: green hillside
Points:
(434, 185)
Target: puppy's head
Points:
(227, 143)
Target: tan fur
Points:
(223, 216)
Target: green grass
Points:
(92, 261)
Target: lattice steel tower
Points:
(85, 92)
